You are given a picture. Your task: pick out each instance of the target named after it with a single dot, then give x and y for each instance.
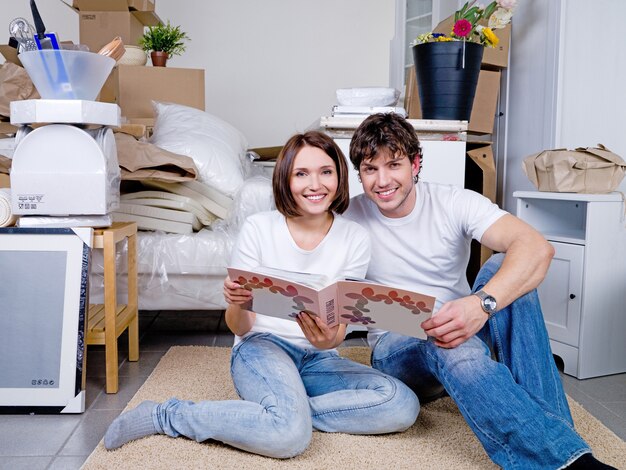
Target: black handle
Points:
(572, 296)
(39, 26)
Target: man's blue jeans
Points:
(515, 405)
(287, 391)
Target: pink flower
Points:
(462, 28)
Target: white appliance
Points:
(69, 166)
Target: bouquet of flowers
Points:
(475, 23)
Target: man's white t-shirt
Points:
(265, 240)
(428, 250)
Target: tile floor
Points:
(64, 442)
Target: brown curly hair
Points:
(384, 131)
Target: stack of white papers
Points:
(339, 110)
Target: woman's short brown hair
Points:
(285, 203)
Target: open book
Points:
(284, 294)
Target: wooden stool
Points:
(107, 322)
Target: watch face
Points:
(489, 303)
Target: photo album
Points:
(284, 294)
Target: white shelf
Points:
(614, 196)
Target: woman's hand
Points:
(318, 333)
(235, 294)
(238, 318)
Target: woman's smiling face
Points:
(314, 181)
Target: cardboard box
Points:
(480, 176)
(484, 107)
(134, 87)
(493, 57)
(113, 5)
(146, 123)
(102, 20)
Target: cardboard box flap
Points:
(481, 178)
(493, 56)
(113, 5)
(100, 5)
(147, 18)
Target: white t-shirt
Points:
(265, 240)
(428, 250)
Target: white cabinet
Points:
(583, 296)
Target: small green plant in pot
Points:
(163, 41)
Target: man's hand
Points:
(456, 322)
(318, 333)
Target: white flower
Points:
(500, 18)
(508, 4)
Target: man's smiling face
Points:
(388, 181)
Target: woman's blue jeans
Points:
(287, 391)
(515, 405)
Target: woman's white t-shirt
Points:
(265, 240)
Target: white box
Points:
(65, 111)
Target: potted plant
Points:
(163, 41)
(447, 65)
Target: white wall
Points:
(272, 66)
(592, 104)
(566, 82)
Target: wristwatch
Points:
(487, 302)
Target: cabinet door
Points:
(560, 293)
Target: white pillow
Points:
(215, 146)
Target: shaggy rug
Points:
(440, 439)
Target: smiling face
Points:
(388, 181)
(313, 181)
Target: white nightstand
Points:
(583, 296)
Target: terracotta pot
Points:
(159, 58)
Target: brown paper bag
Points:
(584, 170)
(15, 85)
(145, 161)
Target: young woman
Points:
(289, 377)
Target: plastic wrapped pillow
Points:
(216, 147)
(255, 195)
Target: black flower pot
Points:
(447, 75)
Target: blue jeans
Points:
(287, 391)
(515, 405)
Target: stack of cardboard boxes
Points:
(134, 87)
(480, 168)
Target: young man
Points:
(421, 236)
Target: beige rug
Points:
(439, 439)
